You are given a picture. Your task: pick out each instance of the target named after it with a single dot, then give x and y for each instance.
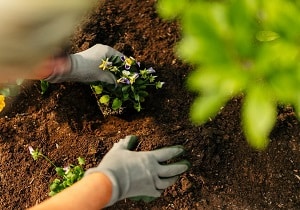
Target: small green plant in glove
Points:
(68, 175)
(132, 85)
(248, 48)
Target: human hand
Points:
(84, 66)
(139, 173)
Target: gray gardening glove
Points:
(84, 66)
(139, 173)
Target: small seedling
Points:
(68, 175)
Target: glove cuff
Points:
(115, 187)
(80, 69)
(59, 71)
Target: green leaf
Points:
(52, 193)
(204, 41)
(206, 107)
(266, 36)
(53, 186)
(116, 60)
(143, 93)
(70, 174)
(258, 116)
(125, 88)
(5, 92)
(137, 106)
(36, 154)
(169, 9)
(98, 89)
(226, 80)
(142, 87)
(104, 99)
(136, 97)
(81, 161)
(237, 44)
(117, 103)
(140, 82)
(152, 78)
(44, 86)
(159, 84)
(133, 142)
(57, 181)
(132, 88)
(285, 86)
(125, 96)
(60, 171)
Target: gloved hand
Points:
(139, 173)
(84, 66)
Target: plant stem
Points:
(48, 160)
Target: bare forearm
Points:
(92, 192)
(57, 65)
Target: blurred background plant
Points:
(9, 90)
(248, 48)
(44, 86)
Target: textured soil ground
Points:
(67, 123)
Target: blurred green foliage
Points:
(44, 86)
(248, 47)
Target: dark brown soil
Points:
(67, 123)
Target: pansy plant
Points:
(68, 174)
(132, 80)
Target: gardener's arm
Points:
(121, 174)
(79, 67)
(91, 192)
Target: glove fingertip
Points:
(182, 152)
(186, 163)
(129, 142)
(132, 143)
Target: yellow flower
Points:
(2, 102)
(105, 64)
